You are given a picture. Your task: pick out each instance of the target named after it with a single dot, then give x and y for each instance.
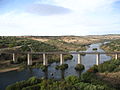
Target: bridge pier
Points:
(61, 59)
(116, 56)
(29, 59)
(79, 59)
(97, 59)
(14, 58)
(45, 62)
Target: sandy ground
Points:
(9, 69)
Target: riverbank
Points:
(9, 69)
(6, 66)
(113, 46)
(13, 67)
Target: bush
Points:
(21, 59)
(68, 57)
(79, 67)
(106, 67)
(32, 80)
(93, 69)
(22, 84)
(72, 79)
(117, 69)
(34, 87)
(88, 86)
(87, 77)
(44, 67)
(12, 62)
(61, 67)
(94, 48)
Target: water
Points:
(88, 60)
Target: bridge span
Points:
(45, 61)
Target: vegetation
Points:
(79, 67)
(83, 54)
(90, 80)
(70, 83)
(94, 49)
(102, 77)
(44, 67)
(26, 45)
(61, 67)
(108, 66)
(112, 46)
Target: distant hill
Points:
(71, 42)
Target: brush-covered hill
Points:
(73, 43)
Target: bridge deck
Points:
(82, 52)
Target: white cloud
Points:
(84, 5)
(88, 17)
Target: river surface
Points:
(88, 60)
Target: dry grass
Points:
(111, 78)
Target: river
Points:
(88, 60)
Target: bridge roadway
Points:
(81, 52)
(45, 62)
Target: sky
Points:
(59, 17)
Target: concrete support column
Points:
(29, 57)
(79, 59)
(14, 60)
(116, 56)
(97, 59)
(45, 62)
(61, 59)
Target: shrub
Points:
(34, 87)
(87, 77)
(43, 67)
(61, 67)
(72, 79)
(32, 80)
(19, 85)
(79, 67)
(117, 69)
(93, 69)
(68, 57)
(106, 67)
(94, 48)
(11, 62)
(116, 62)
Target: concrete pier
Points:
(97, 59)
(14, 60)
(61, 59)
(29, 57)
(116, 56)
(14, 57)
(79, 59)
(45, 62)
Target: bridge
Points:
(45, 61)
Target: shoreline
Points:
(9, 69)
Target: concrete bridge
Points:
(45, 61)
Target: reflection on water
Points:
(88, 60)
(46, 73)
(62, 74)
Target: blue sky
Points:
(59, 17)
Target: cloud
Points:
(62, 17)
(45, 9)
